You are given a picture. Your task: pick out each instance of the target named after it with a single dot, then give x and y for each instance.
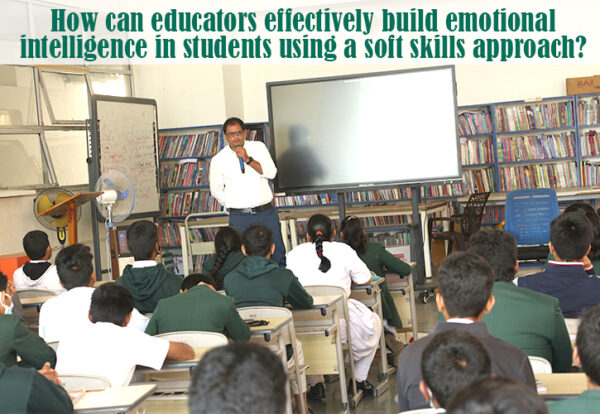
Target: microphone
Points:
(242, 165)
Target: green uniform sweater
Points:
(258, 281)
(148, 285)
(16, 339)
(231, 261)
(587, 402)
(198, 309)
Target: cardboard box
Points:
(584, 85)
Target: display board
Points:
(366, 130)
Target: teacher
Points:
(239, 180)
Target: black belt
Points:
(252, 210)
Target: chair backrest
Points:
(196, 339)
(529, 213)
(424, 411)
(264, 312)
(473, 213)
(540, 365)
(53, 345)
(34, 293)
(89, 382)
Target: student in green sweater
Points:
(379, 261)
(259, 281)
(147, 280)
(228, 254)
(198, 308)
(587, 356)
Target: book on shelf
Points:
(443, 190)
(185, 173)
(476, 151)
(474, 122)
(492, 215)
(536, 147)
(590, 174)
(588, 110)
(187, 202)
(168, 234)
(304, 200)
(188, 145)
(534, 116)
(590, 143)
(559, 175)
(478, 180)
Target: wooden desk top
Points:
(115, 399)
(566, 384)
(321, 302)
(403, 207)
(274, 325)
(171, 365)
(562, 194)
(36, 300)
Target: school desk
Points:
(115, 399)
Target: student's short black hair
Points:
(571, 236)
(499, 249)
(496, 395)
(142, 237)
(35, 244)
(74, 266)
(111, 303)
(588, 344)
(3, 282)
(237, 379)
(233, 121)
(195, 278)
(451, 361)
(465, 282)
(354, 234)
(257, 240)
(591, 214)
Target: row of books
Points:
(386, 194)
(590, 143)
(184, 203)
(492, 215)
(168, 234)
(443, 190)
(589, 174)
(474, 122)
(190, 145)
(185, 173)
(536, 147)
(260, 135)
(476, 151)
(381, 221)
(588, 111)
(560, 175)
(540, 116)
(401, 238)
(478, 180)
(305, 200)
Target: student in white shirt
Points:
(239, 180)
(67, 313)
(107, 348)
(38, 273)
(323, 262)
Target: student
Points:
(68, 312)
(496, 395)
(239, 378)
(198, 308)
(107, 348)
(451, 361)
(147, 280)
(465, 283)
(9, 302)
(565, 277)
(323, 262)
(531, 321)
(259, 281)
(25, 390)
(589, 212)
(38, 273)
(17, 339)
(379, 261)
(228, 254)
(587, 356)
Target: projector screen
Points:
(368, 130)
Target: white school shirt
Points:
(234, 189)
(68, 313)
(105, 349)
(48, 281)
(346, 266)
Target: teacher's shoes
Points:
(366, 387)
(316, 392)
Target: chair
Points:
(89, 382)
(196, 339)
(527, 217)
(470, 222)
(28, 295)
(424, 411)
(540, 365)
(53, 345)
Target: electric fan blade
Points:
(121, 195)
(60, 221)
(60, 197)
(44, 203)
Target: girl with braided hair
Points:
(228, 247)
(322, 261)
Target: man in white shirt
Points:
(68, 313)
(38, 273)
(116, 349)
(239, 180)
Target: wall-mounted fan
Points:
(57, 221)
(115, 204)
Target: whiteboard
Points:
(126, 141)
